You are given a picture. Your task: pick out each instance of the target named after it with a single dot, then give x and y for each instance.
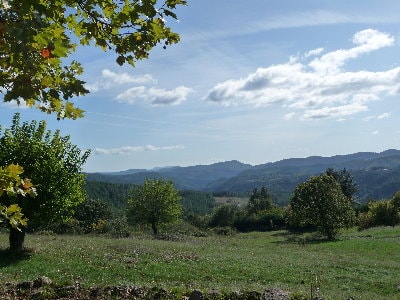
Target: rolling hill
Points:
(377, 175)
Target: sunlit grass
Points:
(364, 265)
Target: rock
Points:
(275, 294)
(196, 295)
(25, 285)
(41, 281)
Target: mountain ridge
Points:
(279, 177)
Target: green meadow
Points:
(360, 264)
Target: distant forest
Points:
(377, 176)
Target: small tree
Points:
(321, 202)
(91, 212)
(260, 200)
(53, 164)
(225, 215)
(155, 202)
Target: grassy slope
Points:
(365, 265)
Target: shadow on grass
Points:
(8, 257)
(301, 238)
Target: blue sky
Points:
(252, 80)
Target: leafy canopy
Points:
(51, 162)
(37, 37)
(12, 184)
(155, 202)
(320, 202)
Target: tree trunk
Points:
(154, 227)
(16, 239)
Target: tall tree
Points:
(321, 202)
(346, 181)
(37, 35)
(155, 202)
(53, 163)
(260, 200)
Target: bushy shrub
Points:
(225, 230)
(272, 219)
(70, 226)
(117, 228)
(380, 213)
(224, 216)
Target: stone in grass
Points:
(275, 294)
(42, 281)
(196, 295)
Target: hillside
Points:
(377, 175)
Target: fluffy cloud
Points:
(155, 96)
(316, 82)
(131, 149)
(109, 79)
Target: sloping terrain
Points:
(377, 175)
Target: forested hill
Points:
(377, 174)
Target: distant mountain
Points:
(189, 178)
(377, 174)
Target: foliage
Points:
(155, 202)
(13, 185)
(260, 200)
(113, 194)
(224, 215)
(52, 162)
(197, 202)
(91, 212)
(381, 213)
(321, 202)
(272, 219)
(36, 37)
(346, 181)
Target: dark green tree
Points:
(346, 181)
(320, 202)
(224, 215)
(155, 202)
(259, 201)
(53, 163)
(90, 212)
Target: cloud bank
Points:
(316, 83)
(132, 149)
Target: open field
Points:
(364, 265)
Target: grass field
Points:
(364, 265)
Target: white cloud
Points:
(289, 116)
(380, 117)
(109, 79)
(14, 104)
(123, 78)
(314, 52)
(367, 40)
(318, 87)
(132, 149)
(383, 116)
(155, 96)
(375, 132)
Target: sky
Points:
(251, 80)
